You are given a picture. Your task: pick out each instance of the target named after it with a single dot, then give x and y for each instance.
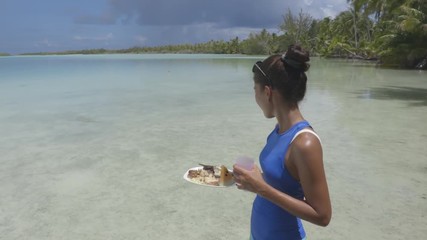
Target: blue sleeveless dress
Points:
(269, 221)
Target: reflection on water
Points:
(414, 96)
(374, 145)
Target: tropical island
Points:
(391, 32)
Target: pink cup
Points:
(245, 162)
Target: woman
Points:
(292, 185)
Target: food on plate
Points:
(211, 175)
(226, 177)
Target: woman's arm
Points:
(306, 155)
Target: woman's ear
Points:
(268, 92)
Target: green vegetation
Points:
(4, 54)
(215, 47)
(391, 31)
(400, 30)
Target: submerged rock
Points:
(422, 64)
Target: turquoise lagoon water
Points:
(94, 147)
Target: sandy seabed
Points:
(83, 173)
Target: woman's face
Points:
(262, 98)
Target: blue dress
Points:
(269, 221)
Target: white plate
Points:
(202, 184)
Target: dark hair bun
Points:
(297, 58)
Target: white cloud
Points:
(107, 37)
(321, 9)
(241, 32)
(202, 32)
(308, 2)
(45, 43)
(140, 39)
(329, 12)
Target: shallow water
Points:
(94, 147)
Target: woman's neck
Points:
(287, 117)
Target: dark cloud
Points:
(224, 13)
(45, 25)
(160, 22)
(105, 19)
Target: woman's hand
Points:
(249, 180)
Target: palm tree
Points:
(355, 9)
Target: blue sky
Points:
(58, 25)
